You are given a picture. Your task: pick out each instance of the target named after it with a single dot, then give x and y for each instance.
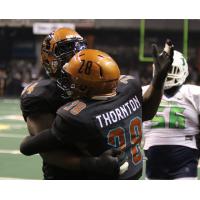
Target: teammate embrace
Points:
(86, 121)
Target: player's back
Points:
(103, 124)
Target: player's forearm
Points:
(162, 64)
(42, 142)
(110, 164)
(151, 101)
(62, 159)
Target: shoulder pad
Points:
(128, 84)
(39, 88)
(40, 96)
(124, 78)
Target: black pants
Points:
(168, 162)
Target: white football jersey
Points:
(176, 121)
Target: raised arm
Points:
(162, 64)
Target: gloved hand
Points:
(162, 63)
(109, 164)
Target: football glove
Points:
(162, 63)
(109, 165)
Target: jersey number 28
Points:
(117, 138)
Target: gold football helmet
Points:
(58, 48)
(91, 73)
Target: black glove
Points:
(162, 63)
(107, 165)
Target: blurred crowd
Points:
(20, 47)
(17, 74)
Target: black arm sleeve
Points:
(45, 141)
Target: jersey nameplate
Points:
(119, 113)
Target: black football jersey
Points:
(98, 125)
(43, 96)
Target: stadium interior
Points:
(128, 41)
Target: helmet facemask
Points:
(71, 87)
(178, 72)
(65, 83)
(64, 50)
(91, 73)
(176, 77)
(55, 56)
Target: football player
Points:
(170, 143)
(106, 111)
(41, 99)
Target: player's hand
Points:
(117, 159)
(162, 63)
(110, 164)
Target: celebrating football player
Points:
(170, 142)
(41, 99)
(107, 110)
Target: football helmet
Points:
(90, 73)
(58, 48)
(178, 73)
